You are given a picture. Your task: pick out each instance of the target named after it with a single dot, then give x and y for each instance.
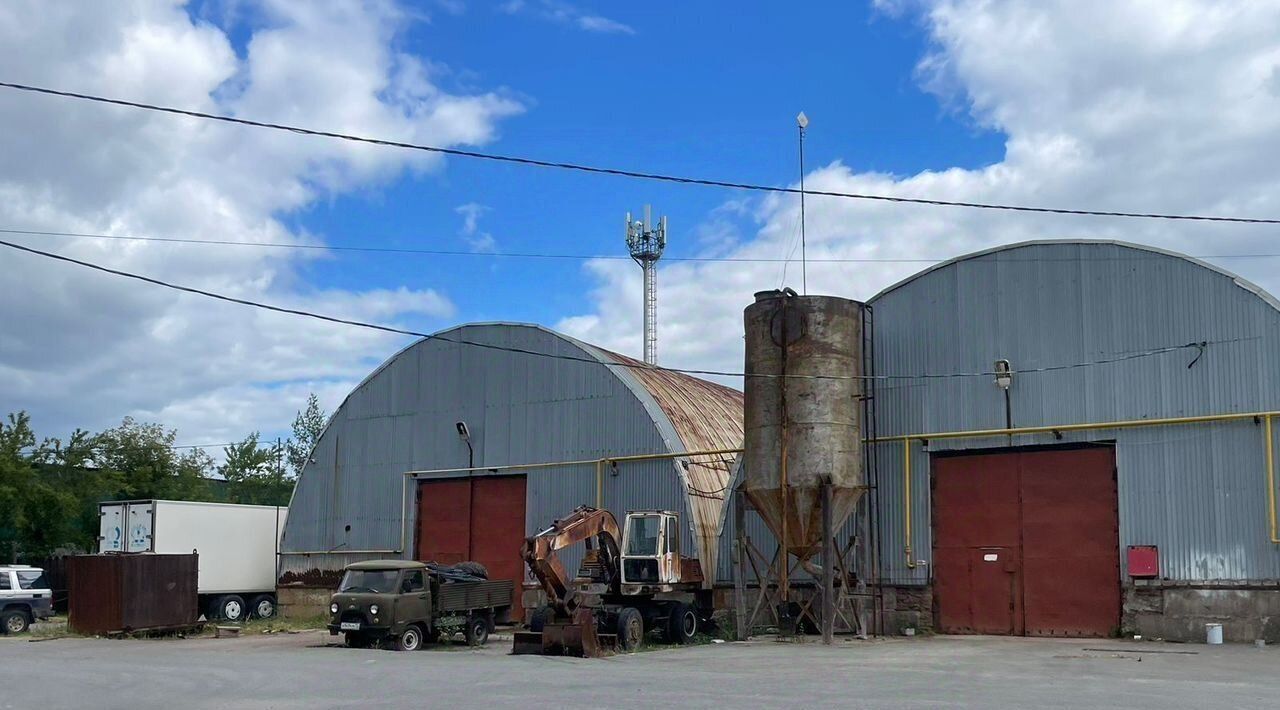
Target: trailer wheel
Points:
(230, 608)
(477, 631)
(682, 624)
(630, 629)
(263, 606)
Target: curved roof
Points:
(1238, 280)
(704, 415)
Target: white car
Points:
(24, 597)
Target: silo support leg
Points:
(828, 569)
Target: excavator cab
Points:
(650, 549)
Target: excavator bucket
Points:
(565, 637)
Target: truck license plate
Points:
(350, 626)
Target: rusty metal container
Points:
(123, 593)
(802, 430)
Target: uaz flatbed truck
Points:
(410, 603)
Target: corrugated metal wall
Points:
(1196, 491)
(520, 408)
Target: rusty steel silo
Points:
(803, 363)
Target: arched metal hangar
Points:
(549, 425)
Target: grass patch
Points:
(274, 625)
(54, 627)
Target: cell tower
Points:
(646, 244)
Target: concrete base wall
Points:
(903, 608)
(1179, 611)
(907, 608)
(297, 602)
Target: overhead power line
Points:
(1199, 347)
(578, 167)
(580, 257)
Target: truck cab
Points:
(24, 597)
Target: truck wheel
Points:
(477, 631)
(682, 624)
(14, 622)
(231, 608)
(263, 606)
(539, 618)
(630, 629)
(410, 639)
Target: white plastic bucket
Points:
(1213, 634)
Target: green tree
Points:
(307, 427)
(142, 459)
(70, 467)
(36, 515)
(255, 473)
(16, 477)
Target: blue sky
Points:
(1155, 105)
(697, 89)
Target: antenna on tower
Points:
(646, 244)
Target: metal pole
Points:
(804, 263)
(279, 475)
(828, 569)
(784, 562)
(740, 579)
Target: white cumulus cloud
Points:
(79, 348)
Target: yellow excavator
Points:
(630, 582)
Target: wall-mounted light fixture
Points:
(1004, 374)
(465, 433)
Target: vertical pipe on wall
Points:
(906, 497)
(1271, 480)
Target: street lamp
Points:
(466, 437)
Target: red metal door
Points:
(497, 531)
(444, 520)
(479, 518)
(1027, 543)
(976, 517)
(1070, 542)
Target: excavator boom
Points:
(571, 628)
(598, 529)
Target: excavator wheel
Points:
(682, 624)
(630, 629)
(538, 619)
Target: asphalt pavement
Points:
(306, 670)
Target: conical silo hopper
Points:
(803, 362)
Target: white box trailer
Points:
(237, 547)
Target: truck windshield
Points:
(380, 581)
(642, 535)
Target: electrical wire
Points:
(1198, 346)
(795, 244)
(598, 170)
